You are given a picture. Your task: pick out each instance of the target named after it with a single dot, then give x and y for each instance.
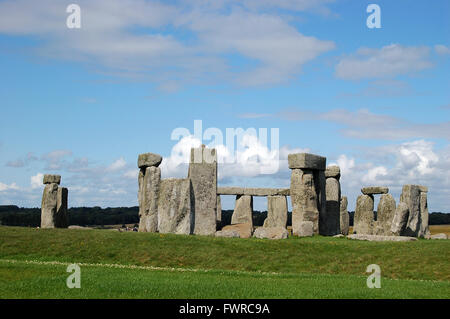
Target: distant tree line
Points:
(11, 215)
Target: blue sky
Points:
(85, 102)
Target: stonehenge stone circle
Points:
(330, 222)
(54, 203)
(363, 219)
(203, 176)
(276, 212)
(243, 210)
(344, 216)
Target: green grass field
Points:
(142, 265)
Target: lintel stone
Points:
(307, 161)
(49, 179)
(148, 160)
(374, 190)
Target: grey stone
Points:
(276, 212)
(385, 215)
(219, 212)
(329, 225)
(49, 179)
(176, 206)
(439, 236)
(203, 177)
(344, 216)
(306, 161)
(380, 238)
(48, 205)
(363, 219)
(372, 190)
(271, 233)
(304, 200)
(333, 171)
(230, 233)
(61, 217)
(411, 197)
(243, 210)
(424, 215)
(148, 160)
(400, 219)
(320, 186)
(253, 191)
(423, 189)
(148, 205)
(305, 229)
(244, 230)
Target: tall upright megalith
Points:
(149, 182)
(54, 203)
(308, 195)
(330, 224)
(203, 176)
(344, 216)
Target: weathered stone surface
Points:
(149, 159)
(305, 229)
(243, 210)
(344, 216)
(380, 238)
(400, 219)
(423, 189)
(439, 236)
(244, 230)
(149, 184)
(411, 197)
(424, 215)
(385, 215)
(203, 175)
(363, 220)
(48, 205)
(276, 212)
(49, 179)
(320, 186)
(271, 232)
(61, 217)
(253, 191)
(329, 223)
(219, 212)
(372, 190)
(176, 206)
(333, 171)
(306, 161)
(230, 233)
(304, 200)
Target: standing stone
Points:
(400, 219)
(411, 197)
(219, 212)
(149, 197)
(320, 182)
(276, 212)
(304, 200)
(203, 175)
(61, 218)
(424, 229)
(385, 215)
(329, 223)
(176, 206)
(142, 217)
(49, 205)
(344, 216)
(243, 210)
(363, 220)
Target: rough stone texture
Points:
(374, 190)
(400, 219)
(49, 179)
(411, 197)
(61, 217)
(423, 189)
(363, 220)
(439, 236)
(271, 232)
(320, 186)
(306, 161)
(276, 212)
(149, 183)
(424, 229)
(380, 238)
(176, 206)
(253, 191)
(48, 205)
(149, 159)
(243, 210)
(230, 233)
(219, 212)
(305, 229)
(244, 230)
(203, 175)
(329, 225)
(304, 200)
(385, 215)
(333, 171)
(344, 216)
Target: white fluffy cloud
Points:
(389, 61)
(441, 49)
(6, 187)
(36, 180)
(117, 165)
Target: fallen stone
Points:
(306, 161)
(380, 238)
(149, 159)
(243, 210)
(230, 233)
(344, 217)
(271, 233)
(333, 171)
(439, 236)
(385, 215)
(244, 230)
(276, 212)
(48, 179)
(363, 219)
(372, 190)
(304, 200)
(176, 206)
(400, 219)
